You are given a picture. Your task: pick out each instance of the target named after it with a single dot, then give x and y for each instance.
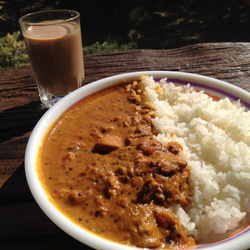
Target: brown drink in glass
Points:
(53, 41)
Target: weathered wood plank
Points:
(225, 61)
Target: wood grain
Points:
(22, 224)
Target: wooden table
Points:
(22, 224)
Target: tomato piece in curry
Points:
(104, 169)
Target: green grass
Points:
(107, 46)
(13, 51)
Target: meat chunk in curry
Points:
(104, 168)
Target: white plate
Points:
(239, 240)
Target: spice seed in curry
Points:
(118, 171)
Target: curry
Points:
(103, 168)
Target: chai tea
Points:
(55, 52)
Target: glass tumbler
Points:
(54, 44)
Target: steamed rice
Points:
(215, 136)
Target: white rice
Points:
(215, 136)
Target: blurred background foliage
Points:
(115, 25)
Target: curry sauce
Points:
(103, 168)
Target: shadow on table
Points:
(20, 119)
